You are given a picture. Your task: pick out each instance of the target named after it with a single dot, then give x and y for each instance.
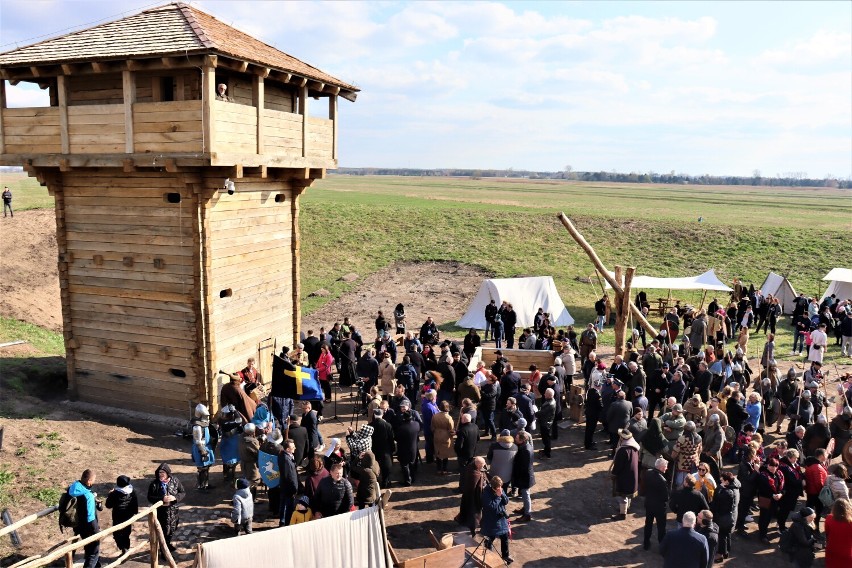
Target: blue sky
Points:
(695, 87)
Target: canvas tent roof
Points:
(706, 281)
(841, 283)
(780, 288)
(526, 295)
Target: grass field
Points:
(509, 227)
(26, 192)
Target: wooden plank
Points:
(259, 97)
(128, 285)
(167, 214)
(167, 106)
(332, 114)
(208, 98)
(114, 111)
(176, 126)
(161, 380)
(109, 309)
(62, 94)
(97, 393)
(121, 293)
(174, 231)
(3, 114)
(93, 345)
(169, 116)
(132, 249)
(31, 112)
(128, 80)
(111, 335)
(148, 274)
(303, 110)
(29, 129)
(167, 138)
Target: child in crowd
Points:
(243, 508)
(124, 504)
(302, 513)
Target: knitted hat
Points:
(505, 433)
(122, 481)
(806, 512)
(678, 408)
(242, 483)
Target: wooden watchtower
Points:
(165, 275)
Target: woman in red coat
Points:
(326, 360)
(838, 532)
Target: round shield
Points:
(847, 453)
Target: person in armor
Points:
(202, 453)
(231, 427)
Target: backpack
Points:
(67, 511)
(826, 497)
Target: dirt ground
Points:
(29, 288)
(47, 443)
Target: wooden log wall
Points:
(107, 88)
(236, 128)
(320, 137)
(282, 133)
(251, 269)
(167, 127)
(96, 129)
(31, 130)
(131, 295)
(279, 98)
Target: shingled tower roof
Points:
(175, 29)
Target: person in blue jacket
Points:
(494, 522)
(87, 516)
(684, 547)
(202, 454)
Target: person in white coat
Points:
(819, 342)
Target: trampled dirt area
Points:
(47, 443)
(29, 285)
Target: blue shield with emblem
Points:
(268, 466)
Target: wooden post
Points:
(152, 539)
(624, 308)
(258, 96)
(303, 110)
(332, 114)
(2, 107)
(572, 230)
(208, 97)
(128, 80)
(69, 559)
(620, 319)
(297, 261)
(62, 96)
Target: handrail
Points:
(38, 556)
(45, 560)
(27, 520)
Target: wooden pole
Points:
(152, 540)
(572, 230)
(623, 313)
(620, 321)
(70, 548)
(167, 554)
(27, 520)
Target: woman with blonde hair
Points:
(742, 339)
(704, 482)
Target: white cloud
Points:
(26, 95)
(823, 46)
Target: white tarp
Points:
(526, 295)
(350, 539)
(780, 288)
(841, 283)
(706, 281)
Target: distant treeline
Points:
(786, 180)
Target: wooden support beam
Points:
(208, 96)
(243, 66)
(168, 62)
(171, 166)
(303, 81)
(331, 89)
(129, 166)
(62, 99)
(65, 165)
(237, 172)
(263, 71)
(211, 61)
(599, 266)
(316, 86)
(2, 107)
(132, 65)
(128, 81)
(35, 71)
(67, 69)
(99, 67)
(258, 96)
(286, 77)
(303, 110)
(332, 114)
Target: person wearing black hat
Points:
(124, 504)
(802, 540)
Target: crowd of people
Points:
(686, 422)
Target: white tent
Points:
(706, 281)
(841, 283)
(780, 288)
(526, 295)
(349, 539)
